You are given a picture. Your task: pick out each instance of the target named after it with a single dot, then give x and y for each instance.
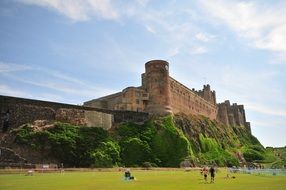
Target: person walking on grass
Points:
(205, 173)
(212, 172)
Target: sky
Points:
(73, 51)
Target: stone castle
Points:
(161, 94)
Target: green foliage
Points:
(24, 135)
(100, 158)
(169, 145)
(106, 155)
(208, 144)
(275, 156)
(69, 144)
(212, 153)
(158, 142)
(251, 155)
(135, 151)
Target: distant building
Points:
(161, 94)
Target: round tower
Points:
(158, 87)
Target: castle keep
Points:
(161, 94)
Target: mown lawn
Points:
(146, 180)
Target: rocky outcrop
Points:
(227, 136)
(7, 155)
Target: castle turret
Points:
(207, 94)
(157, 85)
(222, 113)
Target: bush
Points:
(169, 145)
(208, 144)
(69, 144)
(100, 159)
(252, 155)
(135, 151)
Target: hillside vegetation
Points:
(162, 141)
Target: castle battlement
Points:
(160, 94)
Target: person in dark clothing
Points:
(212, 172)
(5, 120)
(128, 176)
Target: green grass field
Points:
(146, 180)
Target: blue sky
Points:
(73, 51)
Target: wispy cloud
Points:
(11, 67)
(150, 29)
(143, 2)
(78, 10)
(177, 29)
(55, 83)
(266, 109)
(198, 50)
(7, 90)
(61, 82)
(263, 25)
(204, 37)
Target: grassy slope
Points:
(206, 135)
(275, 157)
(151, 180)
(165, 141)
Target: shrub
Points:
(169, 145)
(135, 151)
(252, 155)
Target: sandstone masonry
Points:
(160, 94)
(22, 111)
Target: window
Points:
(137, 101)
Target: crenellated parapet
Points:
(232, 114)
(160, 94)
(207, 94)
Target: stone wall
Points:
(207, 94)
(189, 102)
(232, 114)
(23, 111)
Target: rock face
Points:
(227, 136)
(9, 156)
(18, 155)
(203, 140)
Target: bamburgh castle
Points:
(160, 94)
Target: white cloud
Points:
(170, 28)
(55, 83)
(198, 50)
(174, 52)
(78, 10)
(6, 90)
(11, 67)
(60, 82)
(150, 29)
(266, 109)
(264, 25)
(143, 2)
(204, 37)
